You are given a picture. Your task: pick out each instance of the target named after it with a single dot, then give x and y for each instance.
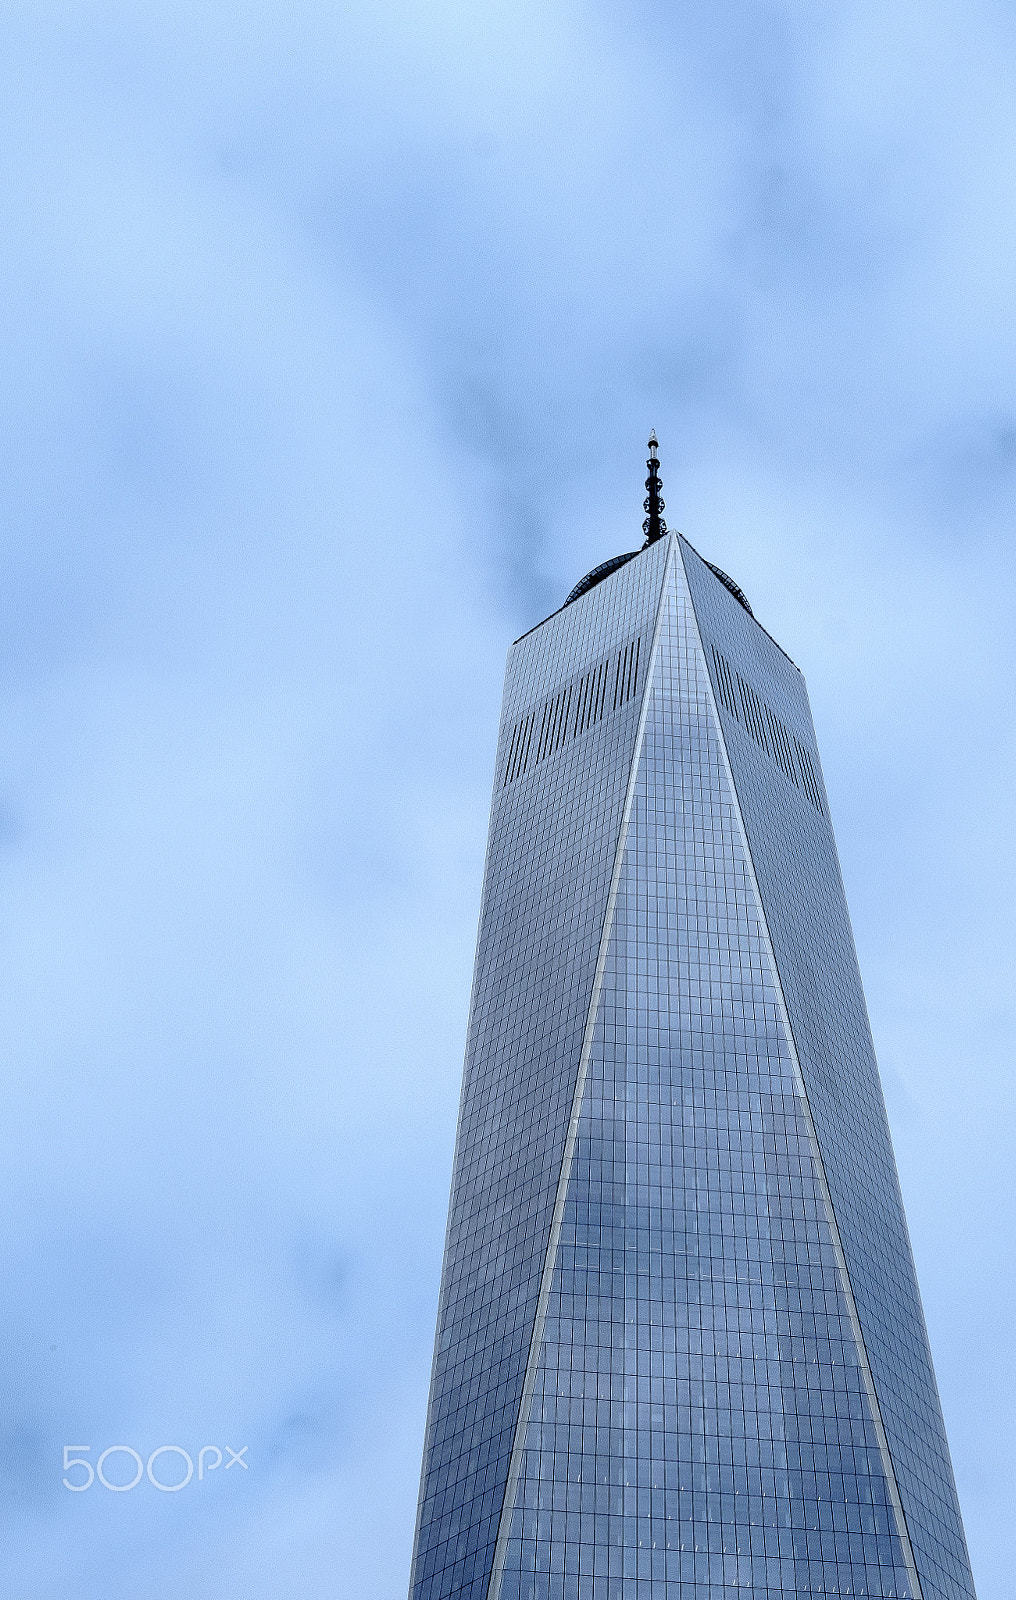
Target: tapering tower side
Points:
(573, 695)
(769, 738)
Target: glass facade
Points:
(680, 1351)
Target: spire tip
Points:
(654, 526)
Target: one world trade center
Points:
(680, 1349)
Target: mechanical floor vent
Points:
(765, 727)
(567, 714)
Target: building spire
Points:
(654, 526)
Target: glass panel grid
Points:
(798, 874)
(699, 1424)
(551, 856)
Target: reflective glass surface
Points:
(794, 855)
(552, 849)
(655, 1377)
(699, 1424)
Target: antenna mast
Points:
(654, 526)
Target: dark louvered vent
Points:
(573, 709)
(765, 727)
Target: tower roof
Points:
(654, 528)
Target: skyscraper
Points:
(680, 1349)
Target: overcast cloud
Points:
(331, 339)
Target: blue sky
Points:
(331, 339)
